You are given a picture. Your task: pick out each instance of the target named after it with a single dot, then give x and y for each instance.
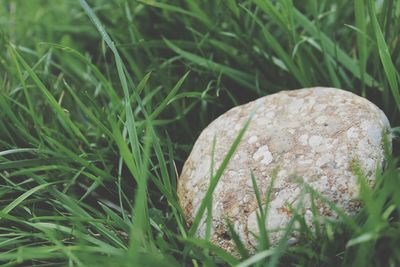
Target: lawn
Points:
(101, 102)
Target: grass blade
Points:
(388, 66)
(22, 197)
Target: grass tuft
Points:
(101, 102)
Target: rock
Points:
(312, 133)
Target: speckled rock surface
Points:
(313, 133)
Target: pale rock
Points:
(312, 133)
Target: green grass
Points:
(101, 102)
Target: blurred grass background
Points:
(100, 103)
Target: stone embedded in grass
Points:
(312, 133)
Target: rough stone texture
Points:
(313, 133)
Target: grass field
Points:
(101, 102)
